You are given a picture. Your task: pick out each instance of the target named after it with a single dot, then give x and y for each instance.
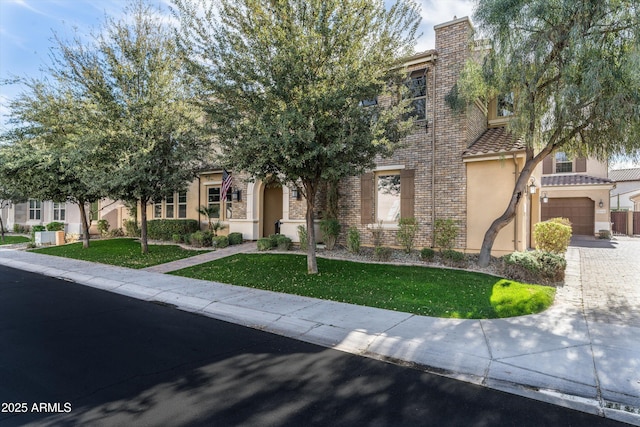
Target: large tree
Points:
(574, 68)
(285, 85)
(47, 152)
(8, 195)
(140, 95)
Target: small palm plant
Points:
(212, 212)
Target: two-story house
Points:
(459, 166)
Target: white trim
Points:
(486, 157)
(385, 226)
(388, 168)
(576, 187)
(452, 22)
(211, 183)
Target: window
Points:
(182, 204)
(504, 105)
(388, 197)
(168, 207)
(563, 163)
(417, 91)
(59, 212)
(35, 209)
(213, 199)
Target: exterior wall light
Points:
(236, 196)
(532, 186)
(601, 204)
(295, 193)
(544, 198)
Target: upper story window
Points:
(504, 105)
(563, 162)
(417, 91)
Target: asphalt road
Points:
(73, 355)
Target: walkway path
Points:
(201, 259)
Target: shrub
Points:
(220, 241)
(55, 226)
(330, 229)
(304, 237)
(283, 242)
(353, 240)
(427, 254)
(235, 238)
(116, 232)
(176, 238)
(131, 228)
(103, 226)
(382, 253)
(38, 228)
(18, 228)
(560, 220)
(453, 256)
(274, 240)
(201, 238)
(604, 234)
(552, 236)
(377, 234)
(71, 237)
(407, 233)
(164, 229)
(534, 267)
(264, 244)
(445, 231)
(217, 226)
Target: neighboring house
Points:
(626, 190)
(577, 189)
(37, 212)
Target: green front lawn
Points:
(419, 290)
(122, 252)
(9, 240)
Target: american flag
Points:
(226, 185)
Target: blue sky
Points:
(26, 29)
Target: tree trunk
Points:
(85, 224)
(312, 263)
(144, 245)
(518, 191)
(1, 228)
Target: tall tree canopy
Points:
(48, 150)
(141, 106)
(285, 85)
(574, 68)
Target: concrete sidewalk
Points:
(559, 356)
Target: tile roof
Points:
(494, 141)
(561, 180)
(632, 174)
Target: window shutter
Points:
(407, 192)
(581, 164)
(547, 164)
(366, 198)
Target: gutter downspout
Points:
(515, 219)
(199, 199)
(433, 161)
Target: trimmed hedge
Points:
(534, 267)
(164, 229)
(220, 241)
(235, 238)
(553, 235)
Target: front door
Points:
(272, 208)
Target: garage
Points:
(579, 210)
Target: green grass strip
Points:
(122, 252)
(10, 240)
(425, 291)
